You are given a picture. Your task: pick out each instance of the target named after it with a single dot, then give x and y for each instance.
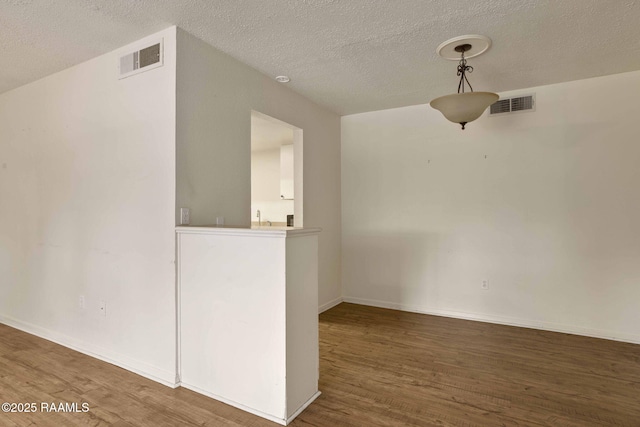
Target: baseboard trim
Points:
(303, 407)
(133, 365)
(501, 320)
(329, 305)
(245, 408)
(250, 410)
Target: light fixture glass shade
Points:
(464, 107)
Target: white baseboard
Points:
(329, 305)
(245, 408)
(502, 320)
(303, 407)
(256, 412)
(153, 373)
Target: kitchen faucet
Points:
(259, 219)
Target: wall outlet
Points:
(103, 308)
(485, 284)
(81, 302)
(185, 216)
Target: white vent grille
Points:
(512, 105)
(144, 59)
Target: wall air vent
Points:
(513, 105)
(147, 58)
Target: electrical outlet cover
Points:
(185, 216)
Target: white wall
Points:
(87, 190)
(545, 205)
(265, 187)
(215, 97)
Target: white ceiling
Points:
(348, 55)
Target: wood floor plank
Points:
(377, 368)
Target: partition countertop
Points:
(263, 231)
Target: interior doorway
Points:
(276, 172)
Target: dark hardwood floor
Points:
(377, 368)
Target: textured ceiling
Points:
(348, 55)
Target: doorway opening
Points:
(276, 172)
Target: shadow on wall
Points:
(439, 272)
(393, 267)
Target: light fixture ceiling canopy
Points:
(477, 46)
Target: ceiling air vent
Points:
(513, 105)
(144, 59)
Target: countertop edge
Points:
(255, 232)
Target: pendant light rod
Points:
(463, 68)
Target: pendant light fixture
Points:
(464, 107)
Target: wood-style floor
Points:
(377, 368)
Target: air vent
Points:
(513, 105)
(147, 58)
(501, 106)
